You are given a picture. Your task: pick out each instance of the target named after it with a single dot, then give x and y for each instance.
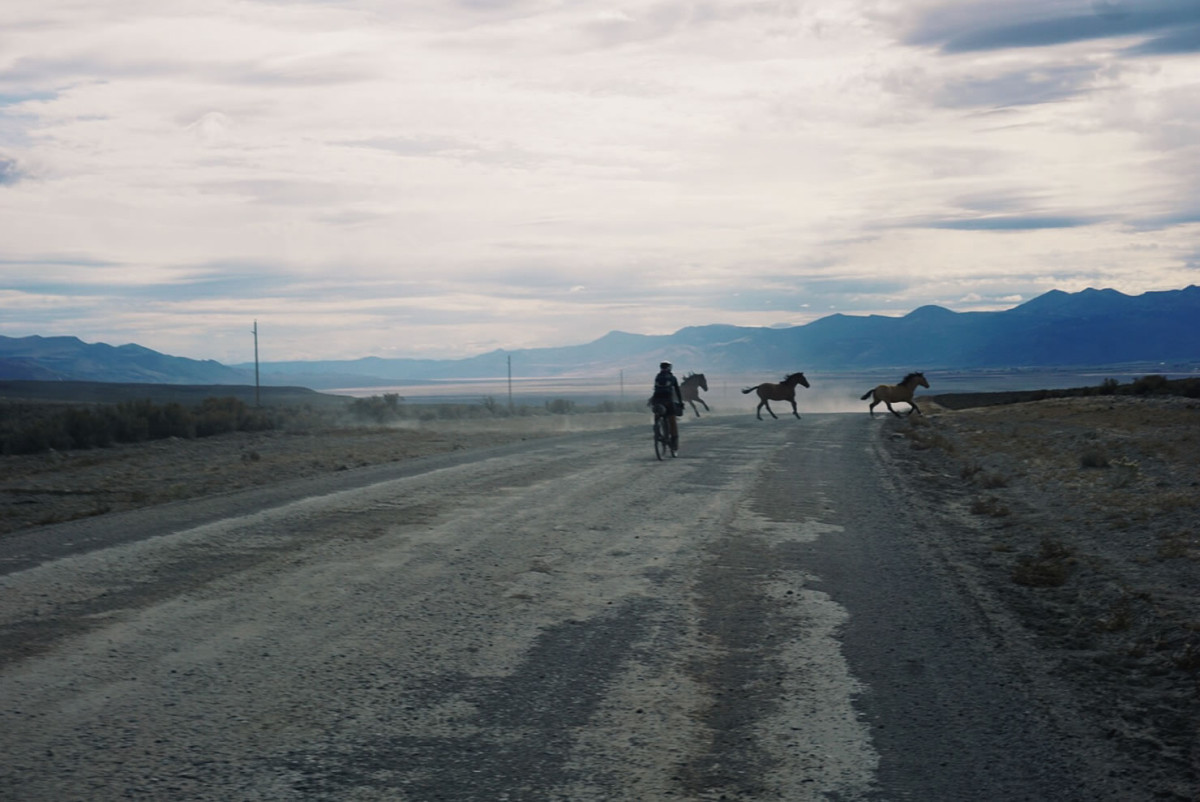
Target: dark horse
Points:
(690, 389)
(889, 393)
(784, 391)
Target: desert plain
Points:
(1076, 524)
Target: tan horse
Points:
(895, 393)
(690, 389)
(784, 391)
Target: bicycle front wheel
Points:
(660, 437)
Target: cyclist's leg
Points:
(673, 428)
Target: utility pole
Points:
(255, 332)
(510, 405)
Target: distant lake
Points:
(830, 391)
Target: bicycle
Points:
(662, 433)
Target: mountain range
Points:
(1091, 328)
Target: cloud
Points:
(1012, 223)
(1027, 86)
(15, 99)
(1185, 215)
(55, 260)
(994, 202)
(1186, 39)
(980, 26)
(10, 173)
(47, 71)
(809, 297)
(425, 179)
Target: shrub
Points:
(1050, 567)
(173, 420)
(990, 506)
(38, 436)
(1119, 618)
(1039, 574)
(87, 428)
(924, 439)
(991, 480)
(1127, 472)
(131, 421)
(377, 409)
(1154, 383)
(1174, 546)
(221, 415)
(33, 429)
(1187, 658)
(1054, 550)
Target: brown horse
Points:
(889, 393)
(784, 391)
(690, 389)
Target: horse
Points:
(784, 391)
(690, 389)
(889, 393)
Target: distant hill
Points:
(1057, 329)
(88, 392)
(70, 359)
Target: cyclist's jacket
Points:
(666, 391)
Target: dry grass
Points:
(40, 489)
(1082, 524)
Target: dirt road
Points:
(766, 617)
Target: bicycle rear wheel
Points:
(660, 436)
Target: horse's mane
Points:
(909, 378)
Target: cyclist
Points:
(667, 393)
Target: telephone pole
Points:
(255, 332)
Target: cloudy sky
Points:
(367, 177)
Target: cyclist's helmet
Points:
(664, 365)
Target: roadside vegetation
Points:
(1078, 514)
(30, 428)
(33, 427)
(392, 408)
(1151, 385)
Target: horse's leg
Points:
(706, 409)
(693, 403)
(768, 406)
(794, 412)
(915, 408)
(889, 406)
(872, 407)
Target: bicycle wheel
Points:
(660, 436)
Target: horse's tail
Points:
(866, 395)
(751, 389)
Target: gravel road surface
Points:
(766, 617)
